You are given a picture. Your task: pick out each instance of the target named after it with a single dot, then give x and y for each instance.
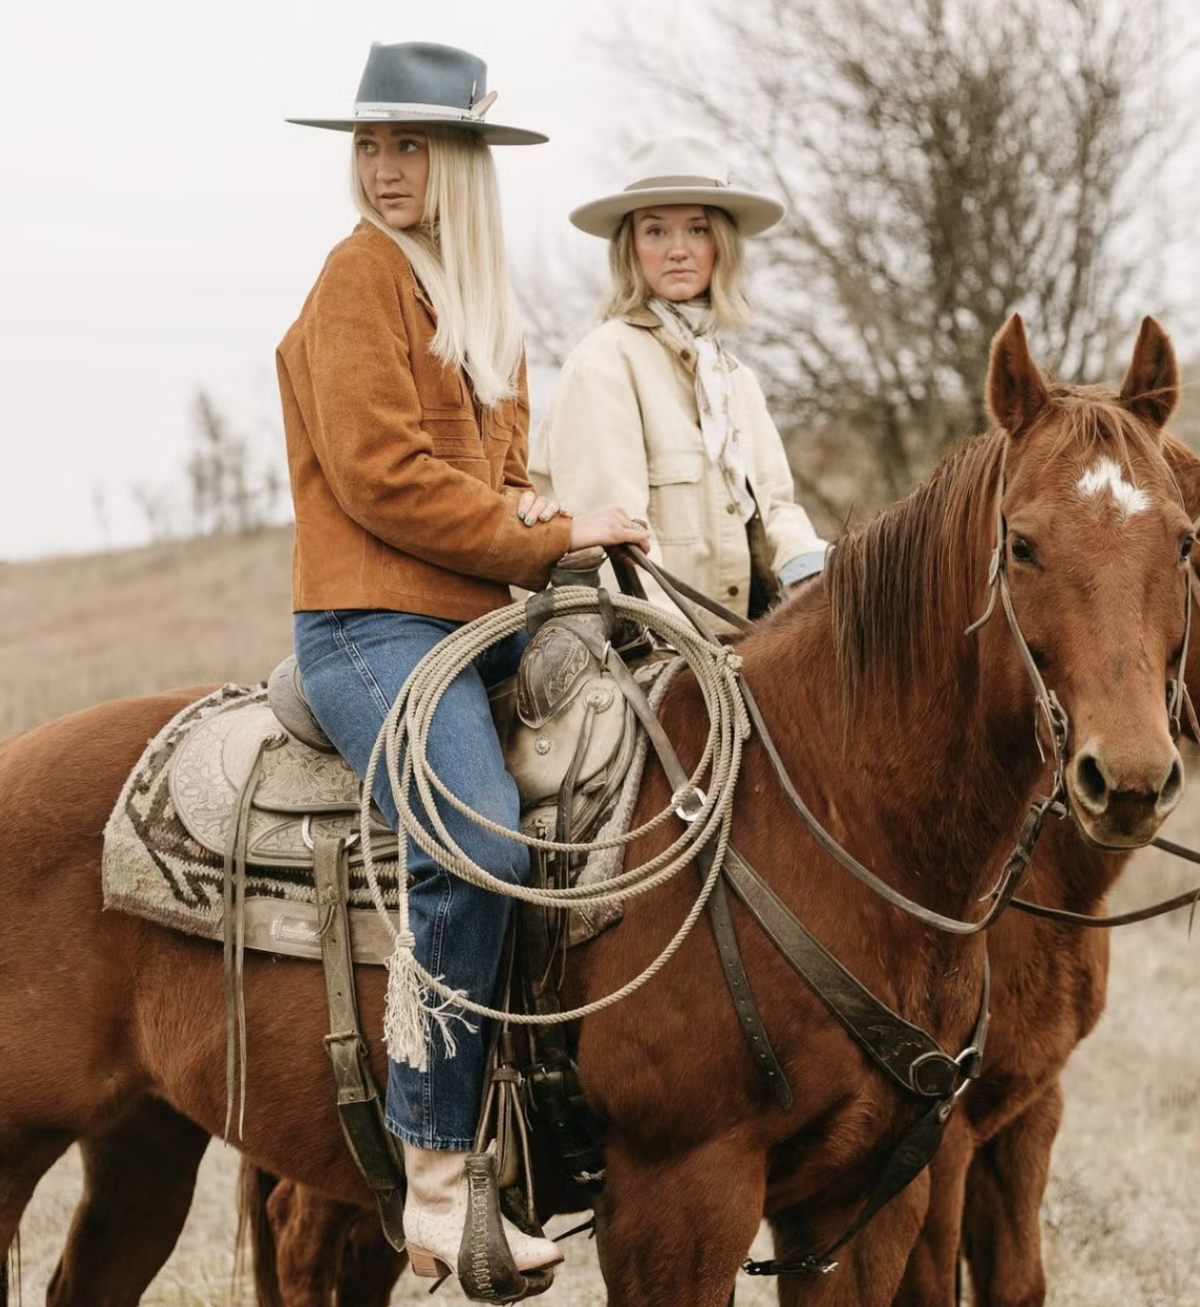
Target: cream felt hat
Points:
(678, 170)
(418, 83)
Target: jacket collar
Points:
(644, 317)
(369, 231)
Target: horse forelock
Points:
(1092, 421)
(903, 582)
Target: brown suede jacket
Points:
(405, 489)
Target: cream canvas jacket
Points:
(623, 428)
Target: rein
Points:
(1052, 713)
(1022, 854)
(1190, 898)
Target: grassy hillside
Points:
(80, 630)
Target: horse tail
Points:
(254, 1188)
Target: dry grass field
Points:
(1123, 1213)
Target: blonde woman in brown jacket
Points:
(406, 414)
(653, 412)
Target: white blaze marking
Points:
(1107, 476)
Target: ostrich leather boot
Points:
(435, 1216)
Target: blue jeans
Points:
(353, 663)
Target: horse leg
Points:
(931, 1276)
(1002, 1235)
(677, 1228)
(323, 1245)
(25, 1156)
(370, 1265)
(307, 1247)
(138, 1179)
(869, 1268)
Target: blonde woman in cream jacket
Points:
(653, 413)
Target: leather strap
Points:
(1014, 868)
(744, 1005)
(718, 909)
(910, 1056)
(233, 925)
(369, 1140)
(1188, 899)
(909, 1158)
(675, 587)
(1011, 875)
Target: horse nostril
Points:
(1089, 780)
(1172, 786)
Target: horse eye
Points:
(1023, 551)
(1185, 548)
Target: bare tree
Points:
(229, 486)
(945, 162)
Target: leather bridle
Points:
(1051, 711)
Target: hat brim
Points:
(754, 213)
(493, 133)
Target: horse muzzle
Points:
(1120, 803)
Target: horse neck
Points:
(1068, 873)
(936, 762)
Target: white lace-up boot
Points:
(435, 1215)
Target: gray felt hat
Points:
(678, 170)
(421, 84)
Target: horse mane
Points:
(914, 574)
(900, 581)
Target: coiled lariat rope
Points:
(415, 997)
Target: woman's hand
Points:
(609, 526)
(533, 508)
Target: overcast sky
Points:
(162, 224)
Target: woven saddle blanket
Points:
(156, 866)
(165, 842)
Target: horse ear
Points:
(1015, 388)
(1151, 386)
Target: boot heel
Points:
(426, 1264)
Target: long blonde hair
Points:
(727, 294)
(457, 253)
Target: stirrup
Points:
(486, 1269)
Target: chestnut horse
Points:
(1048, 992)
(988, 1180)
(910, 741)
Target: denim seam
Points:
(360, 665)
(427, 1140)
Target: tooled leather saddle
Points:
(260, 783)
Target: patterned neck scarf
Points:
(690, 323)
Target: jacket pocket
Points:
(503, 417)
(453, 438)
(676, 495)
(499, 424)
(442, 389)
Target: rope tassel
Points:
(406, 1021)
(412, 1005)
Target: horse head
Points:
(1095, 546)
